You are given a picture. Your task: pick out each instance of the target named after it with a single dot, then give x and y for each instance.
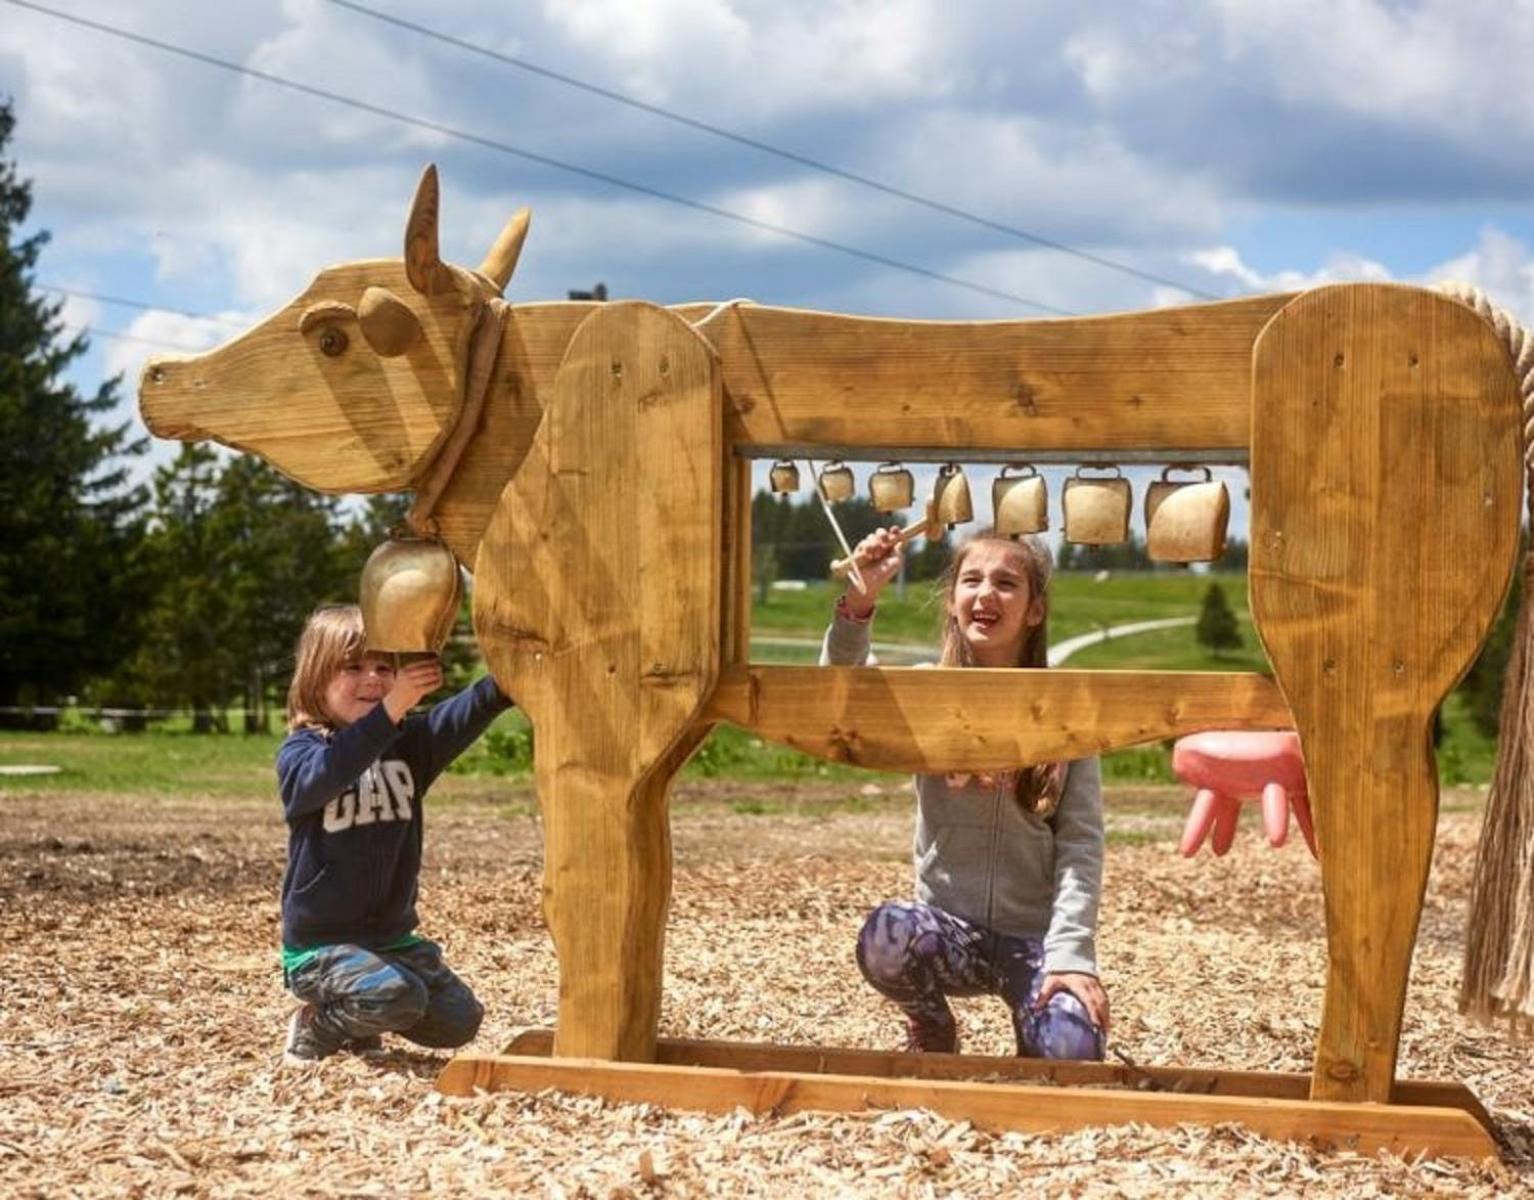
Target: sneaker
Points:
(304, 1043)
(364, 1046)
(923, 1039)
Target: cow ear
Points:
(423, 262)
(387, 322)
(502, 259)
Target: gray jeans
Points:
(357, 993)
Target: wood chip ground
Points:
(142, 1012)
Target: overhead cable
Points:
(145, 305)
(532, 156)
(804, 160)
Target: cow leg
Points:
(597, 605)
(606, 891)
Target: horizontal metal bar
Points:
(965, 454)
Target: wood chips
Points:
(142, 1013)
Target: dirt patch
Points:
(142, 1015)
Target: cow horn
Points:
(502, 259)
(387, 322)
(423, 262)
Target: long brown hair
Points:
(1039, 786)
(332, 637)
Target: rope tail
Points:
(1498, 980)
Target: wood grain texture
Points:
(1141, 380)
(534, 338)
(1122, 382)
(915, 719)
(597, 604)
(1366, 1128)
(884, 1064)
(1385, 489)
(735, 635)
(352, 421)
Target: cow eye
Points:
(332, 342)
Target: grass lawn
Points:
(180, 763)
(1079, 603)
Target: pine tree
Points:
(1217, 629)
(72, 580)
(243, 554)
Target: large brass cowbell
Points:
(1019, 503)
(891, 487)
(1097, 508)
(836, 482)
(1185, 520)
(409, 598)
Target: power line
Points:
(143, 305)
(91, 331)
(888, 189)
(542, 159)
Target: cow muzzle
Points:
(169, 390)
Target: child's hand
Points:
(878, 557)
(1085, 988)
(411, 684)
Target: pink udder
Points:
(1225, 767)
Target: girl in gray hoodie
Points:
(1008, 865)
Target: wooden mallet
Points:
(929, 526)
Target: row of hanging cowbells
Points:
(1185, 519)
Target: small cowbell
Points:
(1019, 502)
(951, 495)
(409, 597)
(836, 482)
(891, 487)
(1096, 508)
(785, 477)
(1185, 521)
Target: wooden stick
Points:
(929, 526)
(825, 507)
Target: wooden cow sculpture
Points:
(592, 464)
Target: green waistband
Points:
(294, 957)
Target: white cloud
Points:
(1499, 265)
(159, 333)
(1226, 262)
(1140, 132)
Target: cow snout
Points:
(167, 389)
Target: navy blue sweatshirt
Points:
(353, 805)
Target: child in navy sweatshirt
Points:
(353, 772)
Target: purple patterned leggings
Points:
(918, 956)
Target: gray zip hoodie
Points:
(979, 856)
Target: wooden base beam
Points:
(1429, 1117)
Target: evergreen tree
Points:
(280, 557)
(1217, 629)
(799, 537)
(243, 554)
(72, 579)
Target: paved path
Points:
(896, 653)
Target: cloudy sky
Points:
(1219, 148)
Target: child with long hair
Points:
(353, 772)
(1009, 864)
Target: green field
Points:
(1079, 603)
(171, 761)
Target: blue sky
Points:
(1231, 146)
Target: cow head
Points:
(355, 384)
